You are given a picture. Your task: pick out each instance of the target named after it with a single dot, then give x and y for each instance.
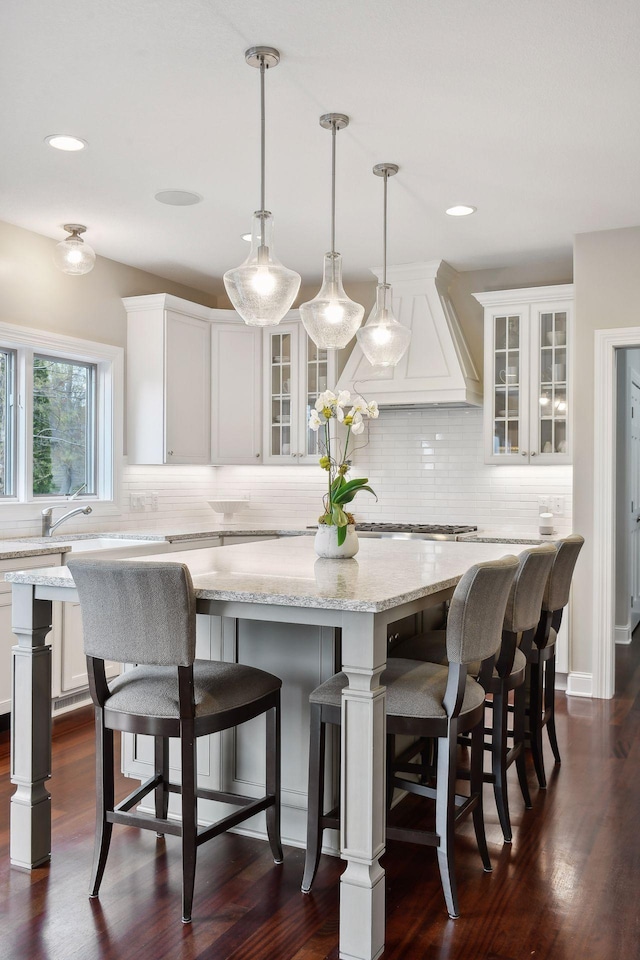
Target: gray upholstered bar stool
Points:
(520, 623)
(427, 700)
(145, 613)
(540, 651)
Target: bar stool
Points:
(145, 613)
(540, 651)
(427, 700)
(521, 620)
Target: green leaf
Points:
(339, 516)
(342, 535)
(337, 484)
(347, 497)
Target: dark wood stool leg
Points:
(161, 749)
(104, 800)
(519, 708)
(476, 783)
(549, 705)
(499, 760)
(317, 736)
(189, 816)
(445, 818)
(535, 722)
(273, 781)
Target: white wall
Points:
(426, 466)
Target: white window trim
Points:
(109, 360)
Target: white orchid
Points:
(340, 491)
(316, 420)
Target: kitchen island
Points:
(278, 581)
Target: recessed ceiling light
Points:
(64, 141)
(460, 210)
(178, 198)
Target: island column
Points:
(362, 797)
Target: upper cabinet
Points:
(168, 380)
(295, 372)
(236, 380)
(527, 370)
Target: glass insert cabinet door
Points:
(282, 357)
(551, 396)
(316, 382)
(508, 370)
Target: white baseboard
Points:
(623, 634)
(561, 681)
(580, 685)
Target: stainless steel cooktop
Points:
(414, 531)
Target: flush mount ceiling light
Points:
(261, 289)
(331, 318)
(177, 198)
(383, 340)
(64, 141)
(460, 210)
(72, 255)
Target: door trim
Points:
(605, 346)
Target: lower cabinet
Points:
(302, 656)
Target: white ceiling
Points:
(527, 110)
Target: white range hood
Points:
(437, 367)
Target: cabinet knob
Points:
(169, 453)
(533, 453)
(524, 453)
(257, 455)
(294, 455)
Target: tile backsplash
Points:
(426, 465)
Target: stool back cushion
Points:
(476, 612)
(556, 595)
(529, 584)
(137, 612)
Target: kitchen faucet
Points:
(47, 515)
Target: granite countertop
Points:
(385, 573)
(14, 549)
(170, 535)
(506, 535)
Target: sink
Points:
(98, 544)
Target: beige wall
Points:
(34, 293)
(607, 295)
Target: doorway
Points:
(609, 344)
(627, 493)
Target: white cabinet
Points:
(168, 380)
(295, 373)
(527, 374)
(7, 637)
(236, 382)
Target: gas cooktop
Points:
(414, 531)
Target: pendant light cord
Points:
(384, 231)
(262, 136)
(333, 186)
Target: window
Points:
(64, 427)
(7, 423)
(60, 416)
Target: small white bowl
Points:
(228, 507)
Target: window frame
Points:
(10, 435)
(109, 363)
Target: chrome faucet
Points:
(47, 515)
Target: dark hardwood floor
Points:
(567, 888)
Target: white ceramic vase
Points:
(326, 542)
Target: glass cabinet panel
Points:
(316, 383)
(280, 399)
(552, 382)
(507, 365)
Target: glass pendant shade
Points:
(72, 255)
(383, 340)
(261, 289)
(331, 318)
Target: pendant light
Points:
(262, 289)
(383, 340)
(72, 255)
(331, 318)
